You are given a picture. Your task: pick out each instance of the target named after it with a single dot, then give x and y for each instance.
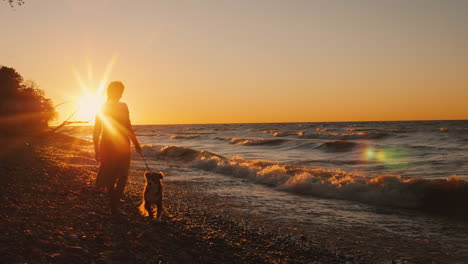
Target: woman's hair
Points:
(115, 90)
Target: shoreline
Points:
(52, 213)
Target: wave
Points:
(338, 146)
(256, 141)
(193, 128)
(184, 136)
(432, 148)
(391, 190)
(194, 133)
(346, 136)
(372, 129)
(308, 145)
(334, 162)
(175, 153)
(283, 133)
(150, 135)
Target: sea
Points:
(397, 190)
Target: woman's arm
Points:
(131, 133)
(96, 136)
(135, 142)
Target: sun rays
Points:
(89, 102)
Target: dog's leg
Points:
(159, 209)
(148, 208)
(142, 208)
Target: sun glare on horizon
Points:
(89, 103)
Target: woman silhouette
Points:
(111, 136)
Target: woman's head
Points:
(115, 90)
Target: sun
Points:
(89, 106)
(89, 103)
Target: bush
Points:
(23, 106)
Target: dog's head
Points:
(153, 176)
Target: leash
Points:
(143, 158)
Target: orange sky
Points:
(220, 61)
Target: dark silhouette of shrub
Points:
(23, 106)
(14, 2)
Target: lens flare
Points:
(391, 157)
(381, 156)
(370, 154)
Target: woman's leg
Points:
(121, 173)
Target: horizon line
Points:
(287, 122)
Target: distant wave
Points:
(338, 146)
(252, 141)
(433, 148)
(224, 128)
(150, 135)
(282, 133)
(335, 162)
(194, 128)
(386, 130)
(346, 136)
(390, 190)
(184, 136)
(256, 141)
(194, 133)
(308, 145)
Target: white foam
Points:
(383, 190)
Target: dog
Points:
(153, 195)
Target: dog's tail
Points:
(142, 209)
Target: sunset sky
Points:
(226, 61)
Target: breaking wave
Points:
(391, 190)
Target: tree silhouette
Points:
(14, 2)
(23, 106)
